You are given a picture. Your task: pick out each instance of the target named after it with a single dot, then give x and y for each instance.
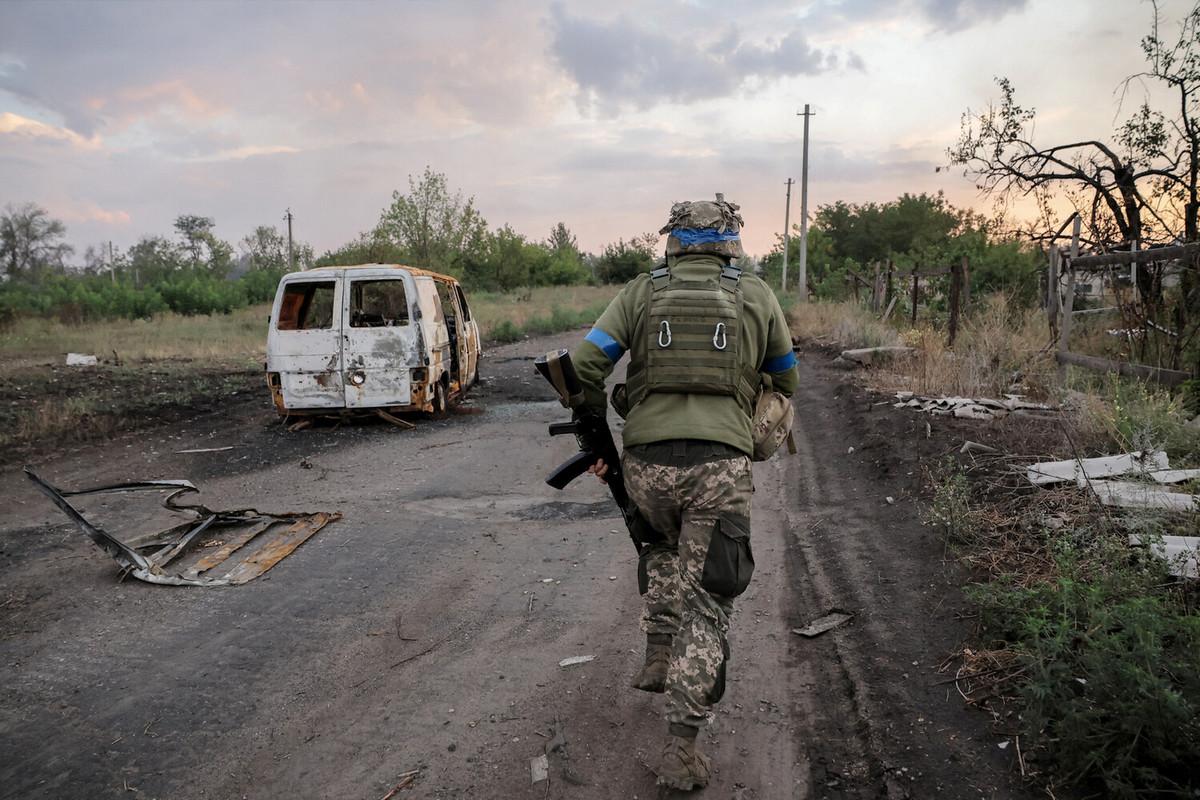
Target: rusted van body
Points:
(372, 336)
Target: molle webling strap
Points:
(692, 341)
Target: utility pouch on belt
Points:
(620, 400)
(729, 563)
(691, 343)
(771, 424)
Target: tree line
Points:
(436, 227)
(923, 231)
(196, 272)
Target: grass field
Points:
(241, 336)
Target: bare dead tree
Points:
(1140, 186)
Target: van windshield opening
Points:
(306, 305)
(378, 304)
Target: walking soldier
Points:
(703, 339)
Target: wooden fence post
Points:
(1052, 293)
(966, 281)
(956, 275)
(890, 292)
(916, 283)
(1068, 305)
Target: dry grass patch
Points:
(847, 325)
(1000, 349)
(518, 311)
(240, 335)
(60, 419)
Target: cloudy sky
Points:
(119, 116)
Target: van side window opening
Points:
(306, 306)
(448, 310)
(378, 304)
(462, 299)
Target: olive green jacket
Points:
(717, 418)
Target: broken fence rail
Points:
(246, 534)
(1161, 375)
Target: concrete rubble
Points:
(1151, 493)
(972, 408)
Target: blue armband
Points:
(607, 344)
(779, 363)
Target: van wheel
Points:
(439, 399)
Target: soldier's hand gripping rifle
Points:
(595, 443)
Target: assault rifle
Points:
(595, 442)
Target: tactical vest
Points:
(689, 341)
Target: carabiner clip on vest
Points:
(664, 330)
(719, 338)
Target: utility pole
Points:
(804, 210)
(787, 227)
(112, 267)
(291, 258)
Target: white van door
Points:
(469, 338)
(379, 338)
(304, 343)
(433, 323)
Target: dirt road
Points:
(424, 630)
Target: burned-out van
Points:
(373, 336)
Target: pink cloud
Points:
(91, 212)
(15, 125)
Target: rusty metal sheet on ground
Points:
(260, 539)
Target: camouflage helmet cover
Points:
(704, 226)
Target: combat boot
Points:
(682, 766)
(653, 677)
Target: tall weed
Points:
(1132, 415)
(1112, 669)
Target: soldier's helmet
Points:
(712, 227)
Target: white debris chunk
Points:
(1180, 552)
(573, 660)
(539, 768)
(1175, 475)
(1126, 494)
(828, 622)
(973, 411)
(970, 407)
(81, 360)
(1081, 470)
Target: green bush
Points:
(197, 293)
(79, 299)
(259, 285)
(1112, 670)
(506, 331)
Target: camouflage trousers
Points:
(691, 579)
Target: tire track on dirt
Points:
(889, 728)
